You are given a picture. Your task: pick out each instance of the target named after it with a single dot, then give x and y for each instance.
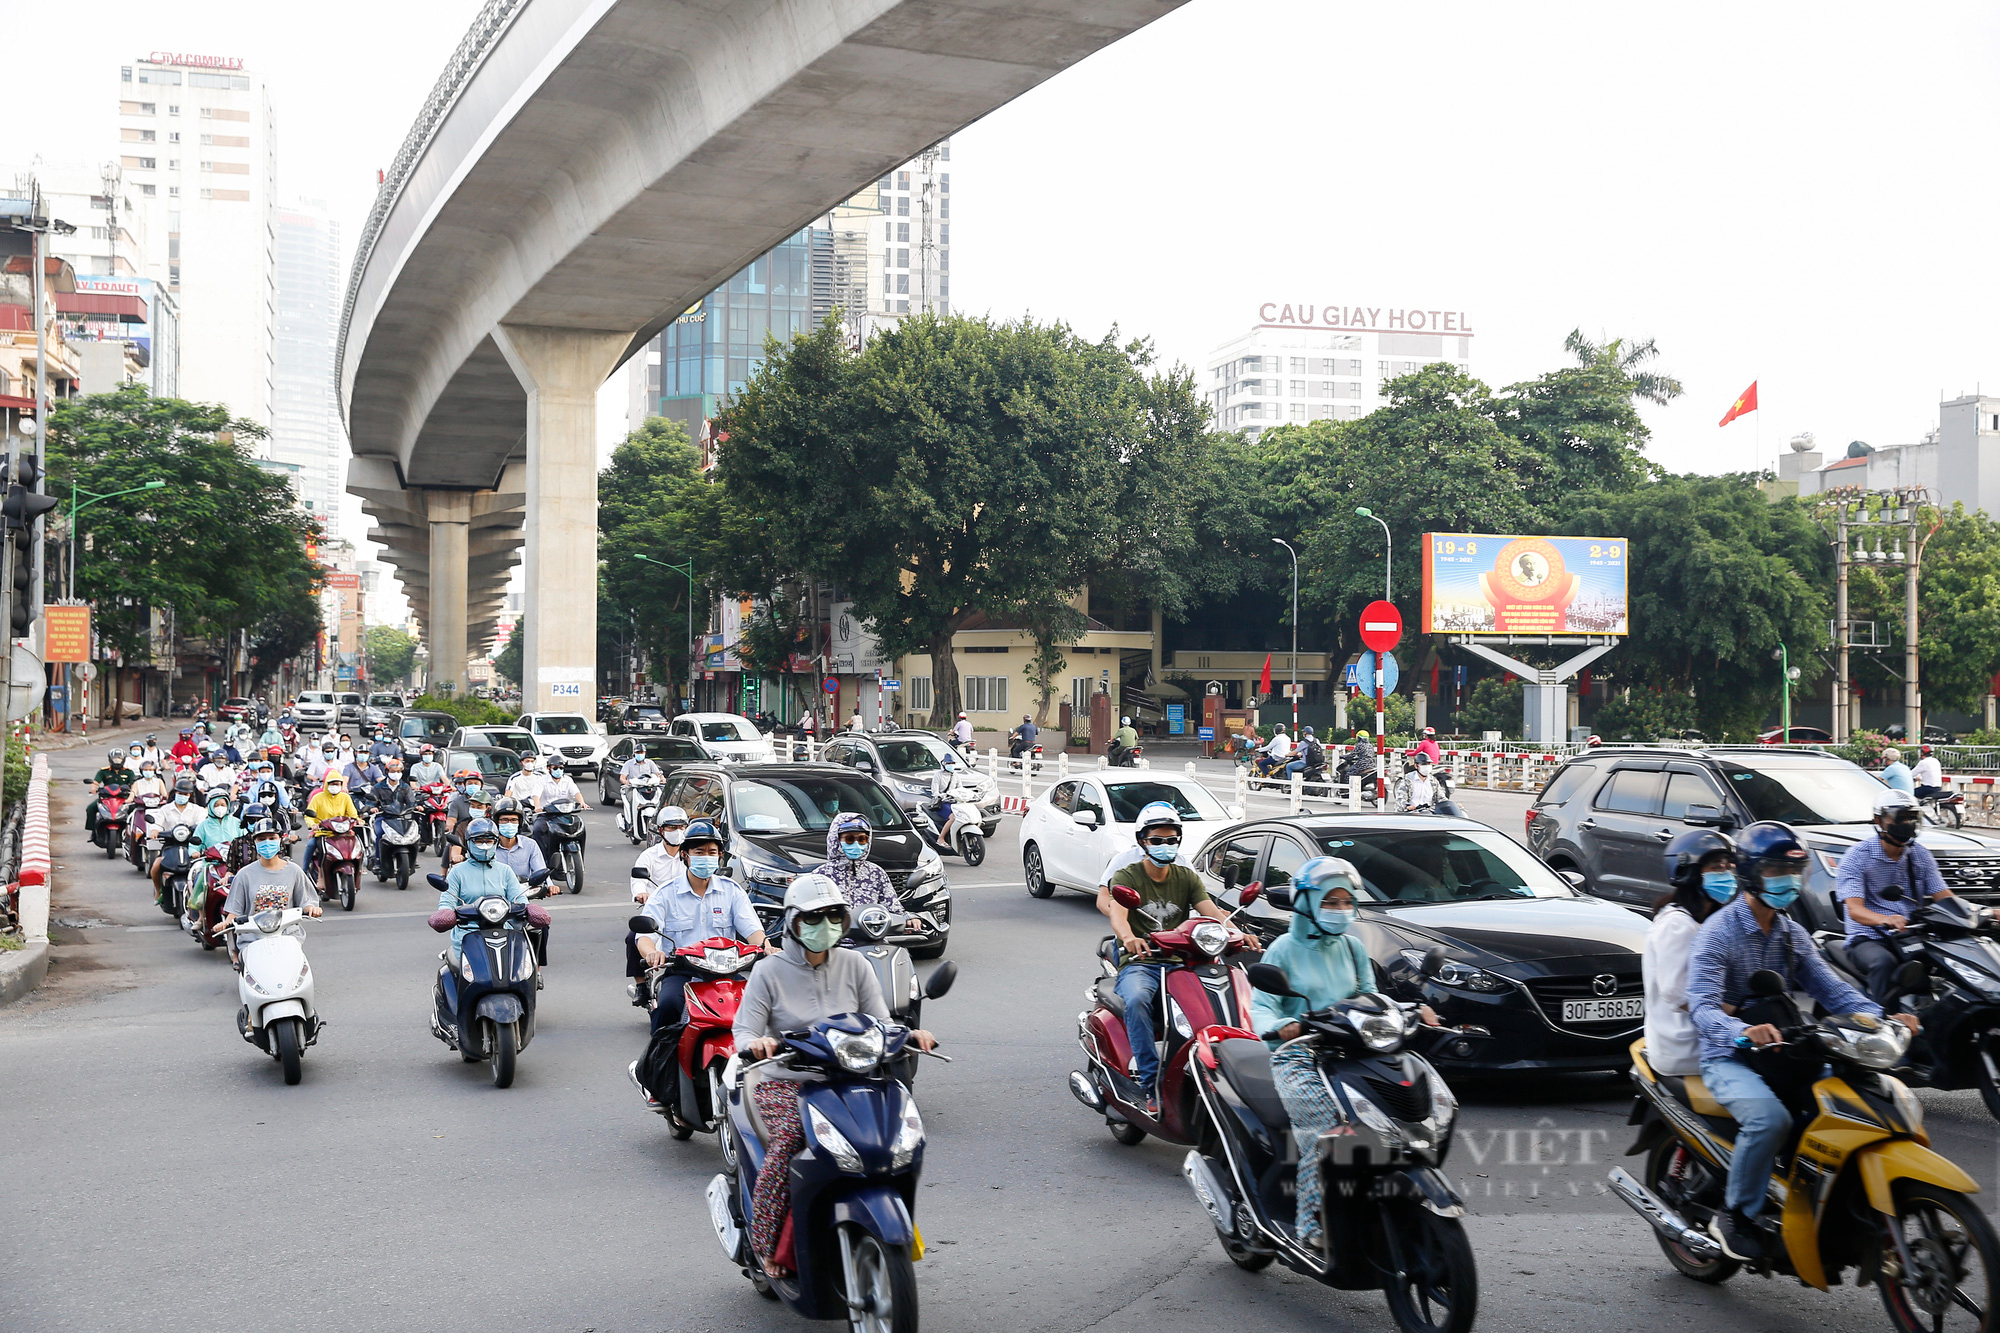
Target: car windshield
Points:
(808, 804)
(729, 729)
(919, 756)
(235, 703)
(384, 701)
(1446, 866)
(350, 698)
(490, 764)
(313, 697)
(670, 747)
(1191, 799)
(1828, 793)
(520, 742)
(431, 729)
(562, 726)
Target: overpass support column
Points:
(450, 514)
(562, 370)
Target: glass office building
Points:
(710, 352)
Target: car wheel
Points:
(1038, 880)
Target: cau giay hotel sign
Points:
(1378, 319)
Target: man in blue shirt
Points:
(1897, 773)
(1880, 880)
(701, 906)
(1750, 934)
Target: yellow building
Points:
(993, 657)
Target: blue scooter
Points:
(854, 1182)
(486, 1009)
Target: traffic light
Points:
(20, 509)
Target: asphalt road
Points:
(159, 1175)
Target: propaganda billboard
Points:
(1486, 583)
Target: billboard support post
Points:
(1543, 688)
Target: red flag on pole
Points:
(1744, 404)
(1264, 685)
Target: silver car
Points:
(910, 763)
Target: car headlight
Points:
(909, 1135)
(1373, 1116)
(858, 1052)
(911, 788)
(1211, 937)
(1828, 861)
(771, 875)
(832, 1142)
(1459, 976)
(1381, 1032)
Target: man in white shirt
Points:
(427, 769)
(526, 785)
(1928, 775)
(632, 773)
(1277, 752)
(556, 787)
(961, 731)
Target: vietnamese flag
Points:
(1264, 685)
(1745, 403)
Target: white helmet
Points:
(1124, 721)
(1890, 800)
(810, 892)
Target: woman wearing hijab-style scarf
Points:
(861, 881)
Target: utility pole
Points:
(1913, 696)
(1842, 693)
(927, 198)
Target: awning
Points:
(58, 273)
(125, 309)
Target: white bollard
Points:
(1062, 766)
(1242, 787)
(1298, 787)
(1188, 768)
(1027, 783)
(1492, 771)
(992, 763)
(1103, 762)
(1354, 793)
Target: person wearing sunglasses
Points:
(1880, 879)
(1171, 893)
(861, 882)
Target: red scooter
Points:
(339, 869)
(112, 816)
(1203, 992)
(713, 973)
(433, 819)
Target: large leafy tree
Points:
(1958, 609)
(1581, 424)
(222, 543)
(390, 653)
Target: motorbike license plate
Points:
(1603, 1011)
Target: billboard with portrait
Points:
(1485, 583)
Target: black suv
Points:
(776, 817)
(1608, 814)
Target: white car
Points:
(317, 710)
(730, 737)
(568, 736)
(1073, 829)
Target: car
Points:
(668, 754)
(317, 710)
(729, 736)
(633, 719)
(351, 707)
(495, 764)
(1606, 816)
(776, 817)
(908, 760)
(507, 738)
(569, 735)
(1074, 828)
(417, 728)
(1796, 736)
(381, 710)
(235, 710)
(1552, 973)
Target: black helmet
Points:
(506, 805)
(184, 785)
(1685, 854)
(259, 827)
(1768, 845)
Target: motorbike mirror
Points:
(437, 882)
(539, 878)
(1271, 980)
(1277, 895)
(940, 980)
(642, 925)
(1126, 896)
(1433, 962)
(1766, 982)
(641, 872)
(1251, 893)
(1912, 979)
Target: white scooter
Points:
(639, 804)
(276, 987)
(964, 829)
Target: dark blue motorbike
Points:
(485, 1009)
(854, 1182)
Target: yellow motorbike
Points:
(1857, 1187)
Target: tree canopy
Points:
(390, 651)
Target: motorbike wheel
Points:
(1957, 1261)
(291, 1054)
(887, 1283)
(402, 874)
(573, 870)
(346, 880)
(973, 848)
(679, 1128)
(1031, 866)
(1439, 1292)
(110, 849)
(500, 1041)
(1245, 1258)
(1660, 1164)
(1129, 1135)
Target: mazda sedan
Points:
(1551, 972)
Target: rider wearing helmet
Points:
(522, 855)
(182, 809)
(1881, 878)
(1701, 866)
(272, 880)
(1751, 934)
(702, 904)
(1325, 963)
(427, 769)
(860, 881)
(557, 786)
(1928, 775)
(482, 875)
(150, 749)
(1171, 893)
(526, 785)
(185, 750)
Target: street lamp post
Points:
(1388, 550)
(685, 567)
(76, 506)
(1787, 673)
(1295, 636)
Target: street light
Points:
(685, 567)
(1295, 636)
(1388, 550)
(1787, 674)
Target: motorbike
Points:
(896, 973)
(852, 1232)
(1945, 808)
(485, 1010)
(397, 857)
(1855, 1187)
(713, 972)
(1950, 978)
(639, 805)
(113, 814)
(566, 843)
(1441, 802)
(208, 888)
(1389, 1216)
(276, 988)
(140, 832)
(1203, 987)
(339, 869)
(1122, 756)
(1362, 767)
(962, 831)
(433, 814)
(178, 854)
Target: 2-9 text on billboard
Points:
(1386, 319)
(194, 62)
(1487, 583)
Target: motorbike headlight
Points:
(1970, 975)
(832, 1142)
(909, 1136)
(492, 910)
(1867, 1041)
(1211, 937)
(858, 1052)
(1373, 1116)
(1381, 1032)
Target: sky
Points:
(1796, 194)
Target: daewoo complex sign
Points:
(1386, 319)
(194, 62)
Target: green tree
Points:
(390, 653)
(1646, 715)
(508, 664)
(1582, 423)
(1494, 705)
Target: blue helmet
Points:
(702, 830)
(481, 828)
(1685, 853)
(1768, 845)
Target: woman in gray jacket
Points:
(811, 978)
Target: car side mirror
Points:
(1236, 812)
(940, 981)
(1271, 980)
(864, 763)
(1251, 893)
(1126, 896)
(1703, 816)
(1574, 878)
(1087, 818)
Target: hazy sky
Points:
(1797, 194)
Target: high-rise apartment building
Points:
(1301, 363)
(198, 155)
(891, 246)
(305, 421)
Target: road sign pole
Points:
(1381, 630)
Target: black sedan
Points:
(1551, 972)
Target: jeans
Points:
(1762, 1122)
(670, 1002)
(1880, 963)
(1138, 985)
(1296, 766)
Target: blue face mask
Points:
(1781, 891)
(267, 848)
(479, 851)
(854, 851)
(1334, 920)
(1719, 884)
(1164, 856)
(703, 867)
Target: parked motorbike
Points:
(276, 988)
(178, 854)
(1854, 1187)
(1203, 987)
(639, 806)
(713, 973)
(485, 1010)
(397, 858)
(1389, 1216)
(339, 868)
(853, 1234)
(113, 814)
(566, 843)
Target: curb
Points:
(21, 970)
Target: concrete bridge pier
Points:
(450, 514)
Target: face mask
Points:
(473, 788)
(703, 867)
(1163, 856)
(267, 848)
(1334, 920)
(1719, 884)
(820, 936)
(180, 798)
(675, 836)
(481, 851)
(854, 851)
(218, 811)
(1899, 833)
(1781, 891)
(509, 829)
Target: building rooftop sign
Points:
(194, 62)
(1385, 319)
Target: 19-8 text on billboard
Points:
(1492, 583)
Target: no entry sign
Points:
(1381, 626)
